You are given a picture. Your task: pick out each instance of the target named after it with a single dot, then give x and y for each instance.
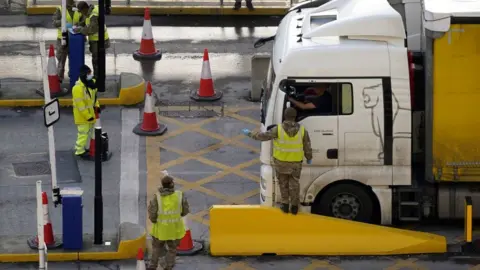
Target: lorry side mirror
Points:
(288, 104)
(283, 86)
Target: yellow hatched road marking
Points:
(155, 167)
(409, 264)
(318, 264)
(238, 266)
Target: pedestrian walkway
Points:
(174, 7)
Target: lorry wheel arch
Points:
(363, 192)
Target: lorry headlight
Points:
(263, 183)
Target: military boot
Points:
(284, 207)
(294, 209)
(250, 6)
(85, 155)
(237, 5)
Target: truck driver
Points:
(320, 102)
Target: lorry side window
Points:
(270, 81)
(327, 99)
(267, 91)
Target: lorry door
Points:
(365, 138)
(322, 126)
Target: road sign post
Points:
(51, 114)
(98, 203)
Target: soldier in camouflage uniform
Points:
(291, 142)
(90, 28)
(168, 228)
(73, 18)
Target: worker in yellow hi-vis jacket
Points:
(291, 143)
(85, 103)
(165, 211)
(90, 28)
(73, 19)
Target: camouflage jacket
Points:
(153, 205)
(291, 128)
(92, 28)
(57, 17)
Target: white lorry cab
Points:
(361, 145)
(397, 139)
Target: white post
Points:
(41, 240)
(51, 138)
(64, 21)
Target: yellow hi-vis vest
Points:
(83, 107)
(76, 19)
(169, 225)
(94, 37)
(286, 148)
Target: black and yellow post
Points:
(104, 7)
(468, 246)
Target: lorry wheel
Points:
(345, 201)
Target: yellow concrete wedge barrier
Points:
(130, 238)
(130, 91)
(253, 230)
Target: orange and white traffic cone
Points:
(91, 148)
(49, 238)
(47, 224)
(187, 245)
(206, 91)
(53, 80)
(140, 260)
(149, 126)
(147, 49)
(106, 154)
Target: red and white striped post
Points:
(40, 229)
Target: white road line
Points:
(129, 179)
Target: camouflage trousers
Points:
(62, 54)
(163, 249)
(290, 186)
(94, 51)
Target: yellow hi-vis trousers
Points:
(84, 131)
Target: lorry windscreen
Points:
(267, 91)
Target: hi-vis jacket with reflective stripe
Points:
(83, 99)
(169, 225)
(286, 148)
(94, 37)
(75, 21)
